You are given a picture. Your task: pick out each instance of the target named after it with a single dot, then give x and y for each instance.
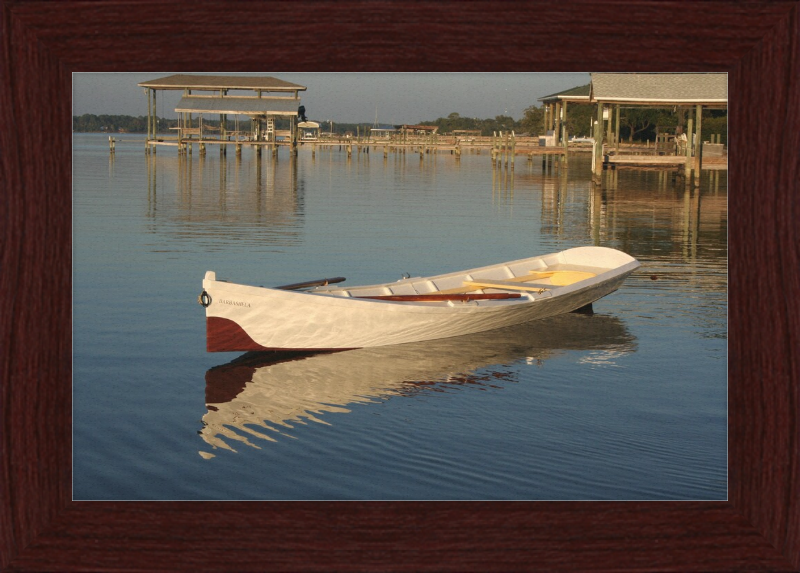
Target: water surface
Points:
(630, 403)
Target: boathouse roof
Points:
(708, 89)
(580, 93)
(212, 83)
(253, 106)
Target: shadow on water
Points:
(262, 394)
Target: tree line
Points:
(636, 123)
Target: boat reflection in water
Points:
(263, 394)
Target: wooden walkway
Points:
(647, 160)
(528, 148)
(663, 161)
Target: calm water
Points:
(630, 403)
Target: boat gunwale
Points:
(325, 297)
(561, 265)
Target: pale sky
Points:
(351, 97)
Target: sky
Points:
(346, 97)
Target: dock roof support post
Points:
(221, 132)
(698, 152)
(597, 162)
(616, 128)
(546, 111)
(155, 122)
(293, 130)
(557, 124)
(687, 168)
(149, 119)
(565, 135)
(191, 125)
(221, 128)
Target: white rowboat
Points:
(323, 316)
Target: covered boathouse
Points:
(263, 100)
(555, 113)
(685, 94)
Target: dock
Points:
(644, 160)
(503, 150)
(273, 118)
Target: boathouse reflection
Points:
(256, 200)
(262, 395)
(635, 211)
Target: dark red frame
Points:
(755, 42)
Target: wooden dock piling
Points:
(597, 157)
(687, 169)
(698, 150)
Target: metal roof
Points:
(671, 89)
(186, 81)
(580, 93)
(239, 105)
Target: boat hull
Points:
(246, 318)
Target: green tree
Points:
(580, 120)
(532, 120)
(504, 123)
(715, 126)
(637, 120)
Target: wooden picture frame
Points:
(755, 42)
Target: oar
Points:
(439, 296)
(308, 284)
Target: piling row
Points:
(502, 148)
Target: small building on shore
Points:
(382, 132)
(416, 130)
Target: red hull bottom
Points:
(224, 335)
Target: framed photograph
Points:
(45, 525)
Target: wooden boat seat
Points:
(508, 285)
(563, 278)
(557, 279)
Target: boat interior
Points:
(507, 281)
